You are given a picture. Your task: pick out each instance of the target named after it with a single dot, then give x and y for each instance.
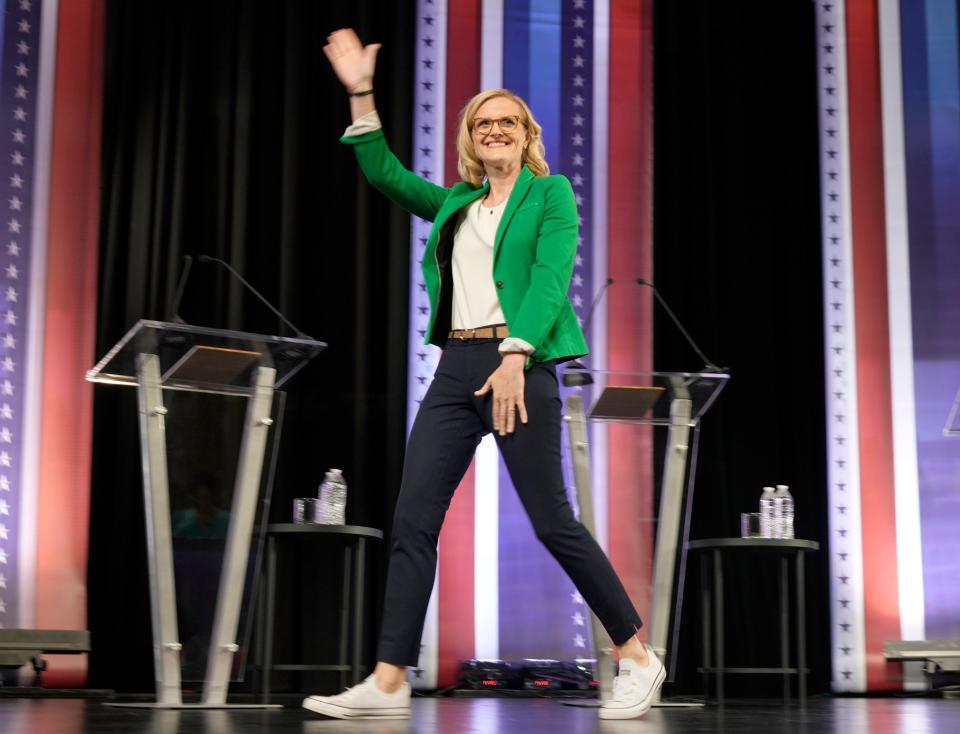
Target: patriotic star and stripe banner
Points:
(50, 86)
(499, 595)
(889, 82)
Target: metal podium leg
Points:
(235, 558)
(163, 603)
(580, 451)
(668, 524)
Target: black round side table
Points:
(713, 600)
(354, 540)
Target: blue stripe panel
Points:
(931, 94)
(18, 101)
(534, 592)
(516, 46)
(576, 163)
(540, 613)
(544, 93)
(3, 15)
(517, 558)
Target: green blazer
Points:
(534, 249)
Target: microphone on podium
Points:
(593, 306)
(178, 294)
(579, 379)
(230, 269)
(708, 365)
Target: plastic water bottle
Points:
(783, 496)
(766, 512)
(776, 521)
(332, 508)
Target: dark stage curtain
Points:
(221, 121)
(737, 254)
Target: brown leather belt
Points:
(481, 332)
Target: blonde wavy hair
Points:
(469, 164)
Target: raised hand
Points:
(352, 62)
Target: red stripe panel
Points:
(71, 310)
(463, 73)
(881, 598)
(456, 627)
(456, 624)
(629, 335)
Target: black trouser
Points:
(447, 429)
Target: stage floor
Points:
(487, 716)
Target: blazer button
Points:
(500, 284)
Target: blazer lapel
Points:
(520, 189)
(456, 202)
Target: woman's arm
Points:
(354, 65)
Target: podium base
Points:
(192, 706)
(657, 705)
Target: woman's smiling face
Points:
(495, 147)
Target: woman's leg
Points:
(533, 458)
(442, 442)
(444, 435)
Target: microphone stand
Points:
(579, 379)
(709, 365)
(230, 269)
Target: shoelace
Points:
(351, 692)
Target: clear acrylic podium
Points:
(164, 360)
(676, 401)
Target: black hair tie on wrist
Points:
(364, 93)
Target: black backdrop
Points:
(737, 254)
(220, 136)
(221, 121)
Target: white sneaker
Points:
(634, 689)
(363, 701)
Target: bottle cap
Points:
(768, 489)
(784, 487)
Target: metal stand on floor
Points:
(155, 357)
(676, 401)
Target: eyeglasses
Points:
(484, 125)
